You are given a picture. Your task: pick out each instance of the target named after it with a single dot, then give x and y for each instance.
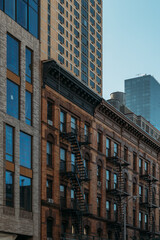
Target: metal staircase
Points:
(77, 175)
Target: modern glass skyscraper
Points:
(143, 98)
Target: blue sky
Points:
(131, 41)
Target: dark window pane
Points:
(49, 154)
(28, 107)
(49, 188)
(22, 13)
(9, 189)
(12, 99)
(49, 228)
(25, 150)
(25, 193)
(33, 22)
(9, 143)
(28, 65)
(1, 5)
(10, 8)
(12, 55)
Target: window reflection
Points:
(9, 143)
(9, 189)
(25, 193)
(12, 54)
(25, 150)
(28, 107)
(12, 99)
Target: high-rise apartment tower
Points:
(142, 97)
(71, 34)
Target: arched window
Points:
(49, 227)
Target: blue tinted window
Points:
(9, 143)
(28, 108)
(12, 54)
(28, 65)
(10, 8)
(12, 99)
(22, 13)
(9, 189)
(25, 193)
(25, 150)
(1, 5)
(33, 22)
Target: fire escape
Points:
(119, 193)
(148, 204)
(76, 173)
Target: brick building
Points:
(19, 122)
(96, 165)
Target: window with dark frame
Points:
(98, 173)
(134, 161)
(9, 155)
(140, 166)
(73, 124)
(134, 217)
(49, 154)
(108, 179)
(62, 160)
(62, 121)
(140, 194)
(115, 208)
(25, 150)
(49, 228)
(115, 150)
(86, 132)
(125, 153)
(49, 185)
(25, 193)
(50, 113)
(9, 189)
(28, 108)
(63, 195)
(146, 221)
(108, 210)
(13, 61)
(98, 141)
(98, 206)
(146, 167)
(140, 220)
(29, 65)
(12, 99)
(153, 170)
(115, 181)
(108, 147)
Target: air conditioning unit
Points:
(50, 200)
(50, 123)
(99, 184)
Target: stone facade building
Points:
(97, 165)
(19, 127)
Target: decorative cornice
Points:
(70, 87)
(108, 110)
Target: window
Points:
(73, 162)
(28, 65)
(49, 228)
(92, 84)
(134, 161)
(140, 166)
(153, 170)
(63, 196)
(98, 173)
(115, 208)
(146, 221)
(107, 179)
(146, 167)
(107, 209)
(108, 147)
(25, 150)
(62, 159)
(126, 154)
(134, 187)
(9, 143)
(28, 108)
(73, 124)
(10, 8)
(86, 132)
(9, 189)
(140, 220)
(25, 193)
(146, 195)
(140, 194)
(49, 154)
(49, 188)
(98, 206)
(115, 150)
(98, 89)
(49, 113)
(115, 181)
(62, 121)
(12, 99)
(134, 217)
(99, 141)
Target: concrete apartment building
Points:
(19, 121)
(71, 34)
(96, 165)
